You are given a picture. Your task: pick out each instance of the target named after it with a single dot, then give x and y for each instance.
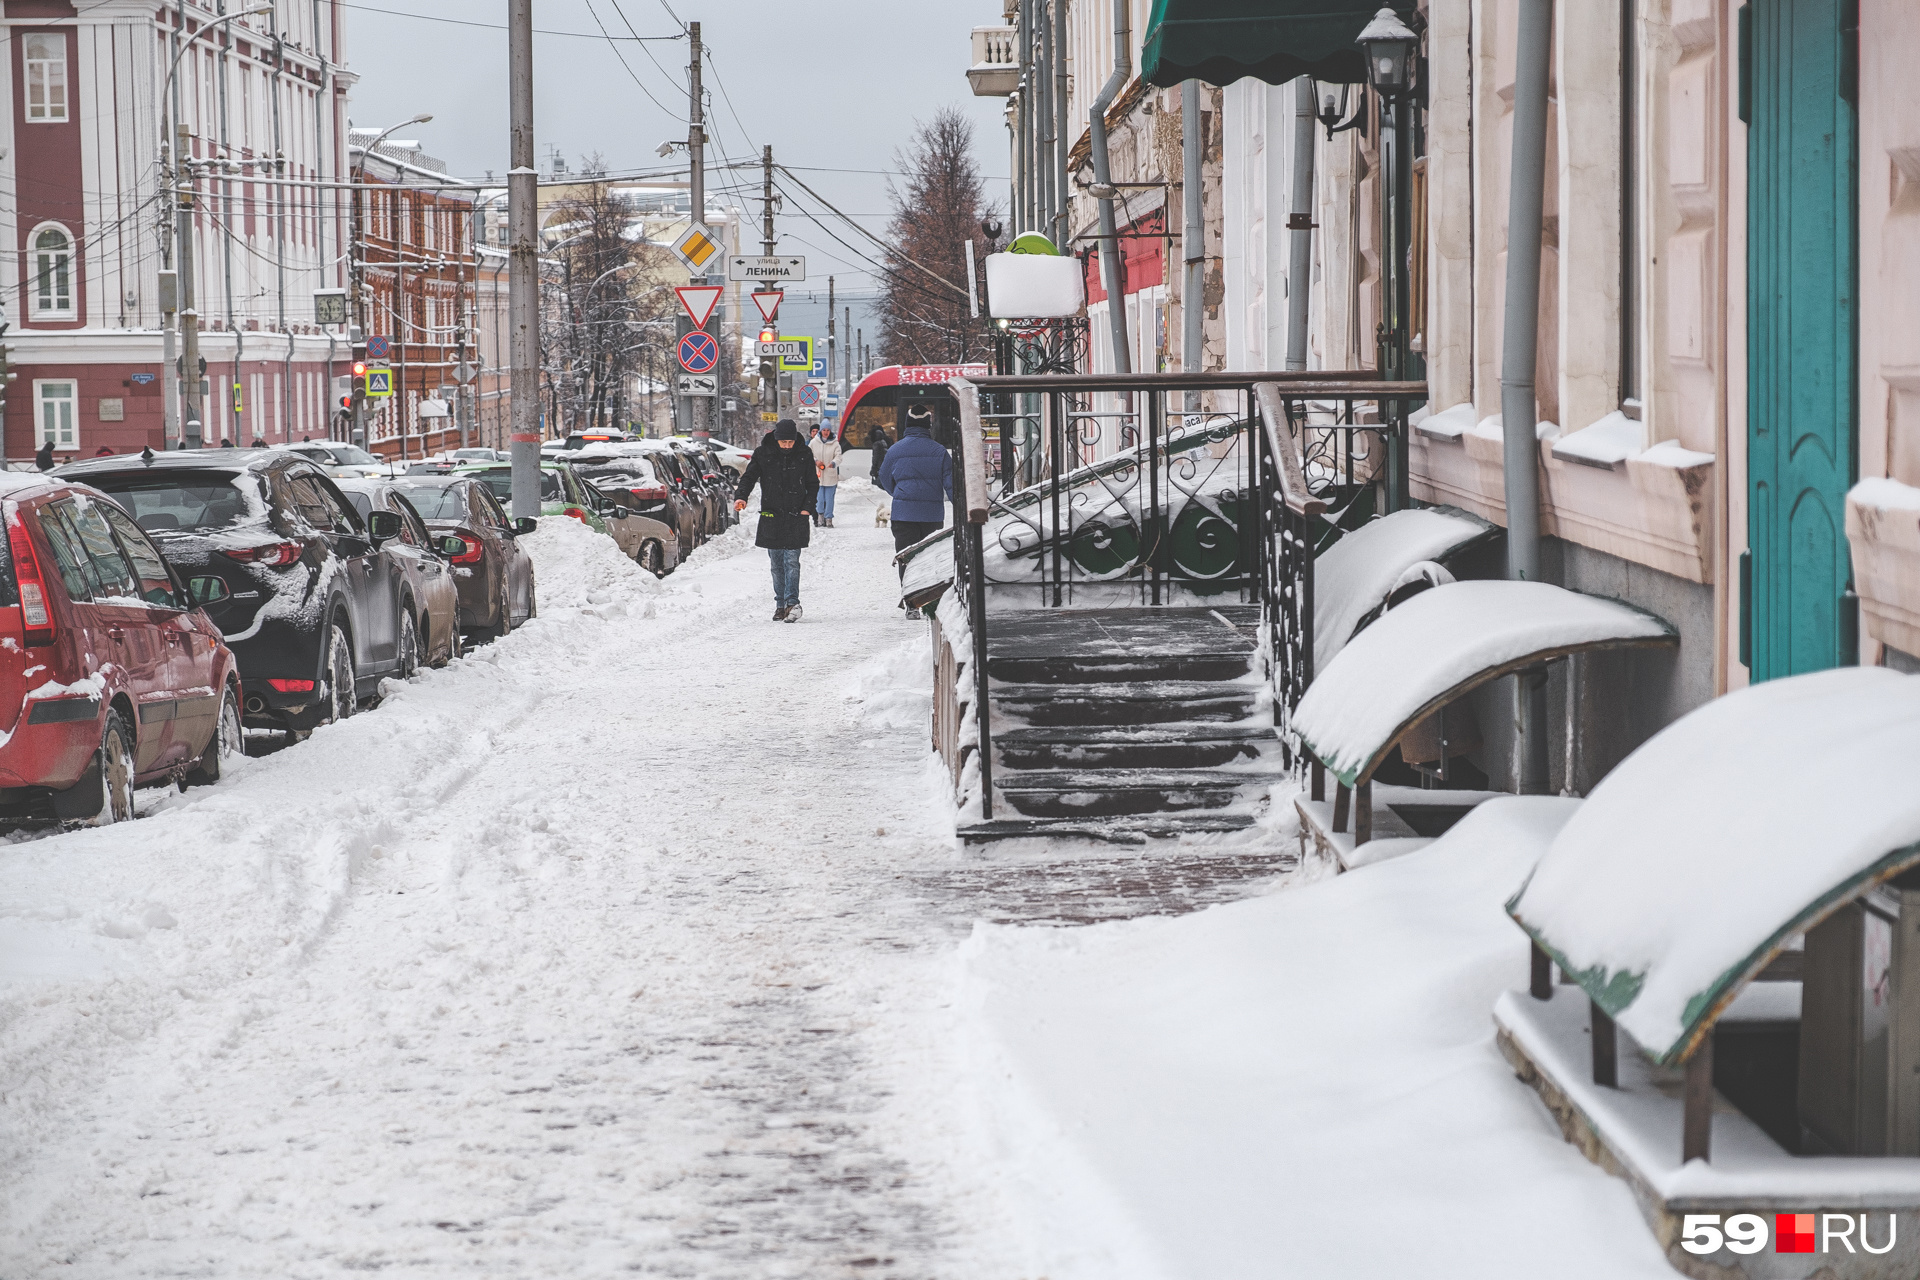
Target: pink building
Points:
(93, 90)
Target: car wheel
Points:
(408, 663)
(341, 697)
(505, 612)
(653, 559)
(227, 741)
(533, 606)
(115, 763)
(456, 643)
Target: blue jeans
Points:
(786, 577)
(823, 506)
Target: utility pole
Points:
(523, 284)
(696, 411)
(830, 337)
(769, 367)
(194, 414)
(846, 367)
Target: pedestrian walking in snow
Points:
(918, 472)
(784, 470)
(826, 465)
(877, 442)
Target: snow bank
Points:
(1705, 846)
(1305, 1084)
(1433, 642)
(894, 688)
(575, 567)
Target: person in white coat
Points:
(826, 461)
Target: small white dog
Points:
(881, 518)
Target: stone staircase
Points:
(1127, 724)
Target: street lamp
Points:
(188, 320)
(359, 177)
(1389, 45)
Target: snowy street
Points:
(627, 943)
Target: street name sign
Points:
(698, 301)
(754, 269)
(697, 247)
(696, 384)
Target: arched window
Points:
(50, 267)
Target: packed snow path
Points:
(625, 946)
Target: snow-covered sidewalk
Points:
(589, 954)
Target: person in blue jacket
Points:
(918, 472)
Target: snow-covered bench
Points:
(1430, 651)
(1738, 900)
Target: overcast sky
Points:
(834, 85)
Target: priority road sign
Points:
(696, 384)
(379, 347)
(697, 248)
(755, 269)
(698, 301)
(379, 382)
(699, 352)
(464, 371)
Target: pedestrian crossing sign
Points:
(379, 382)
(697, 247)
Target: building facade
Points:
(102, 101)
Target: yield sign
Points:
(699, 352)
(698, 301)
(769, 304)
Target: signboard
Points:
(802, 413)
(789, 349)
(808, 397)
(464, 372)
(699, 352)
(379, 382)
(379, 347)
(802, 360)
(926, 375)
(769, 303)
(696, 384)
(819, 367)
(142, 379)
(766, 416)
(435, 409)
(698, 301)
(330, 306)
(697, 248)
(756, 270)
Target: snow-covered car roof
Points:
(1730, 831)
(1442, 644)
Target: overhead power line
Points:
(636, 37)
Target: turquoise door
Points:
(1801, 277)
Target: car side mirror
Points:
(621, 513)
(451, 546)
(384, 526)
(525, 524)
(206, 591)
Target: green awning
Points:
(1220, 41)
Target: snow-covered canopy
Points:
(1729, 832)
(1353, 576)
(1444, 643)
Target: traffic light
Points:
(769, 335)
(359, 368)
(343, 394)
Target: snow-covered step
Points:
(1128, 702)
(1054, 646)
(1122, 792)
(1205, 746)
(1126, 830)
(1083, 668)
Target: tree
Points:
(599, 315)
(936, 210)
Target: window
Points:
(111, 577)
(55, 408)
(51, 269)
(46, 79)
(67, 551)
(156, 583)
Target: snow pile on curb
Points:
(576, 568)
(1302, 1084)
(893, 689)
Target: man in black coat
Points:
(783, 468)
(879, 446)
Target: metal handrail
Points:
(1292, 480)
(969, 570)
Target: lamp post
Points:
(359, 178)
(1391, 50)
(187, 317)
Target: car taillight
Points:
(475, 549)
(576, 513)
(290, 686)
(656, 493)
(36, 618)
(276, 555)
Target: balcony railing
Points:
(994, 72)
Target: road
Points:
(625, 946)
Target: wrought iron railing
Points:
(1157, 489)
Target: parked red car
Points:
(111, 674)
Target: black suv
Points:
(311, 612)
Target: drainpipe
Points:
(1520, 349)
(1300, 223)
(1061, 232)
(1193, 237)
(1103, 181)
